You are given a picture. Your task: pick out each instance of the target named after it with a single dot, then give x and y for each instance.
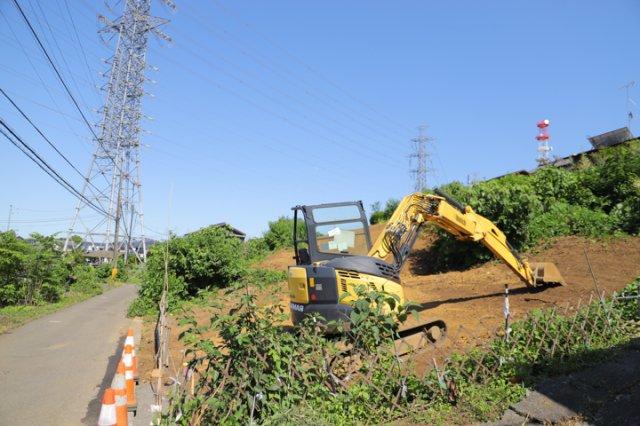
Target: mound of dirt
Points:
(473, 299)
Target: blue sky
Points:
(258, 106)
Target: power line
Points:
(62, 81)
(256, 76)
(51, 144)
(43, 165)
(57, 46)
(297, 59)
(383, 156)
(35, 70)
(272, 113)
(84, 55)
(289, 76)
(30, 221)
(37, 129)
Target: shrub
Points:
(256, 249)
(627, 215)
(552, 184)
(380, 215)
(208, 258)
(269, 373)
(85, 280)
(615, 180)
(280, 233)
(596, 199)
(510, 203)
(254, 373)
(103, 271)
(565, 219)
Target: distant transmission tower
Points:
(543, 143)
(420, 157)
(113, 179)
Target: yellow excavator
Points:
(334, 253)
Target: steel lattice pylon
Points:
(421, 156)
(113, 178)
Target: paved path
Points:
(604, 394)
(53, 369)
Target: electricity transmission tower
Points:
(421, 157)
(113, 178)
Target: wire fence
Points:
(411, 374)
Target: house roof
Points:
(613, 137)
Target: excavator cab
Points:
(330, 231)
(331, 245)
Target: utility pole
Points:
(629, 102)
(113, 178)
(420, 156)
(9, 220)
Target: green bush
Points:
(103, 271)
(280, 233)
(615, 179)
(564, 219)
(85, 280)
(599, 199)
(270, 373)
(256, 249)
(209, 258)
(38, 272)
(380, 215)
(552, 185)
(31, 273)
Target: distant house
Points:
(234, 231)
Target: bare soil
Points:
(471, 301)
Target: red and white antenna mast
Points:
(543, 143)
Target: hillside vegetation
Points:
(37, 278)
(596, 199)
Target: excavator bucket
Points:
(547, 273)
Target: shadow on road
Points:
(93, 409)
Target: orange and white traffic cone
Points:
(130, 341)
(127, 360)
(119, 385)
(108, 416)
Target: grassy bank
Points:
(14, 316)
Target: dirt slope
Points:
(474, 298)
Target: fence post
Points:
(507, 313)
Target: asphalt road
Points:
(53, 369)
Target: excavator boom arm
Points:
(463, 223)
